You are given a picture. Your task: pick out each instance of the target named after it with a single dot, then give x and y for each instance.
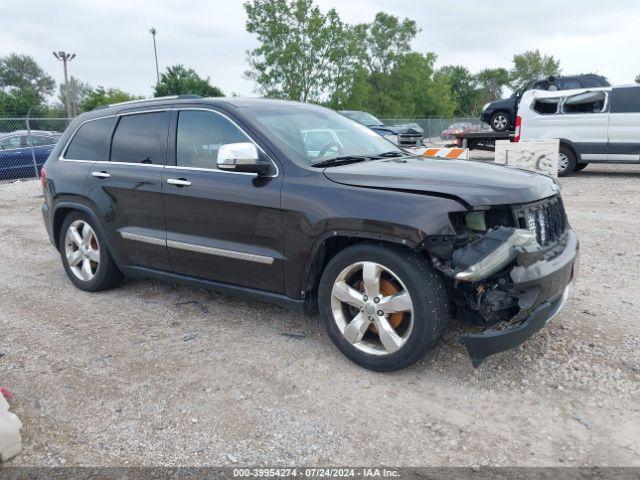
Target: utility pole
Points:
(68, 94)
(153, 32)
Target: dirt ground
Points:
(153, 373)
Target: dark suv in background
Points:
(501, 114)
(239, 195)
(402, 134)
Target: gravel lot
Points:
(160, 374)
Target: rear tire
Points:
(85, 255)
(499, 122)
(417, 317)
(566, 162)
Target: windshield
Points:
(364, 118)
(310, 134)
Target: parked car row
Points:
(18, 149)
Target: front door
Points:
(221, 226)
(127, 189)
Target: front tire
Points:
(581, 166)
(383, 307)
(499, 122)
(566, 161)
(85, 256)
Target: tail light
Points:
(518, 132)
(43, 177)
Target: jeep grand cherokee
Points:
(298, 205)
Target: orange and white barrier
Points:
(457, 153)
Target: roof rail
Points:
(142, 100)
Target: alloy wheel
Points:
(372, 308)
(82, 250)
(500, 122)
(563, 162)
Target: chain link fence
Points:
(25, 144)
(442, 130)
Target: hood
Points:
(507, 103)
(396, 129)
(475, 183)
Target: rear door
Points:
(15, 157)
(624, 125)
(127, 188)
(221, 226)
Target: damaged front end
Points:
(509, 270)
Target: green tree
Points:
(101, 96)
(179, 80)
(24, 86)
(417, 90)
(303, 52)
(491, 82)
(465, 89)
(531, 65)
(386, 39)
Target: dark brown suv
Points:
(300, 206)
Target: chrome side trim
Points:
(136, 237)
(250, 257)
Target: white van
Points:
(594, 125)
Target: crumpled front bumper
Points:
(544, 286)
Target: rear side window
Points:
(91, 141)
(567, 83)
(588, 102)
(546, 106)
(141, 138)
(625, 100)
(40, 140)
(200, 135)
(593, 82)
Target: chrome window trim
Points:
(217, 170)
(75, 132)
(191, 247)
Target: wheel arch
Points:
(65, 208)
(329, 244)
(571, 146)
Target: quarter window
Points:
(200, 135)
(625, 100)
(91, 141)
(588, 102)
(141, 138)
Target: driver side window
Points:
(200, 135)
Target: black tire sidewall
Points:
(102, 278)
(572, 161)
(427, 294)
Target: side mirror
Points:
(241, 157)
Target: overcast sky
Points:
(114, 48)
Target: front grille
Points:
(410, 139)
(547, 219)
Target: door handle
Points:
(179, 182)
(100, 174)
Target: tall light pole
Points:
(153, 32)
(68, 94)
